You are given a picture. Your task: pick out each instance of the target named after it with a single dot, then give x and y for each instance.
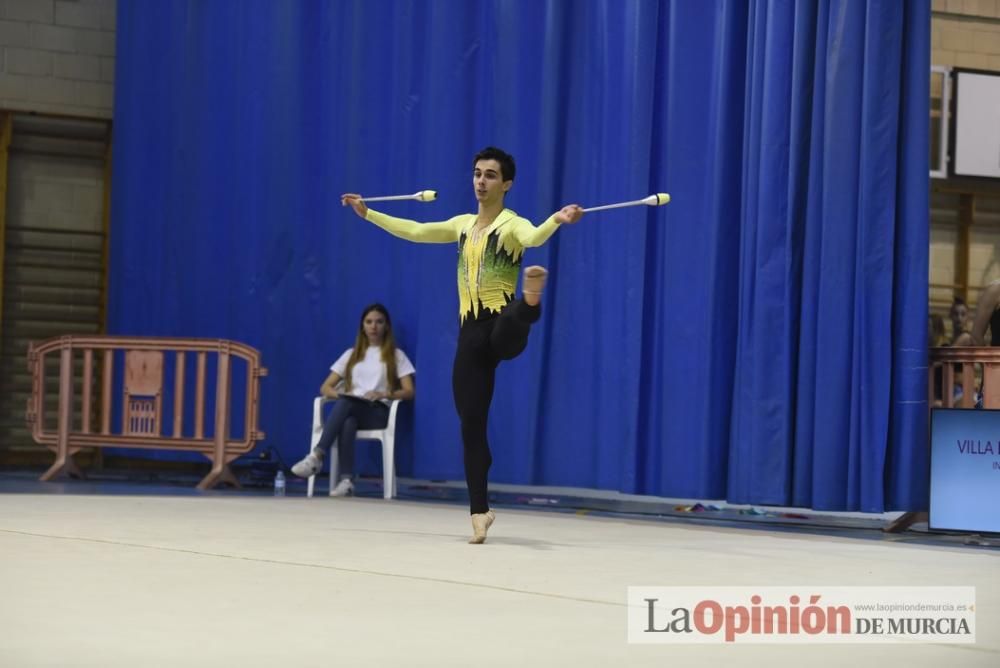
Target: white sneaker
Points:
(308, 466)
(344, 488)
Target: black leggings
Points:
(482, 345)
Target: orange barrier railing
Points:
(976, 370)
(142, 382)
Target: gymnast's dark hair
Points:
(505, 159)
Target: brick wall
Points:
(45, 193)
(966, 33)
(58, 56)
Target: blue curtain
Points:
(760, 339)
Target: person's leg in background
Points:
(363, 415)
(360, 413)
(345, 458)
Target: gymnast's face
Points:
(374, 325)
(488, 182)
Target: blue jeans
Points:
(348, 415)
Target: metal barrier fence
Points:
(142, 402)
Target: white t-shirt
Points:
(369, 373)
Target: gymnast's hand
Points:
(354, 201)
(569, 214)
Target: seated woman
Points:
(363, 381)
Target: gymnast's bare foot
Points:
(533, 284)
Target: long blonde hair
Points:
(388, 348)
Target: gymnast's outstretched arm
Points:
(530, 236)
(428, 233)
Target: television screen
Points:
(965, 470)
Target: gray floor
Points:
(128, 579)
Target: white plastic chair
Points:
(386, 436)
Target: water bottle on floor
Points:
(279, 483)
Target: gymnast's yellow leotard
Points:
(488, 264)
